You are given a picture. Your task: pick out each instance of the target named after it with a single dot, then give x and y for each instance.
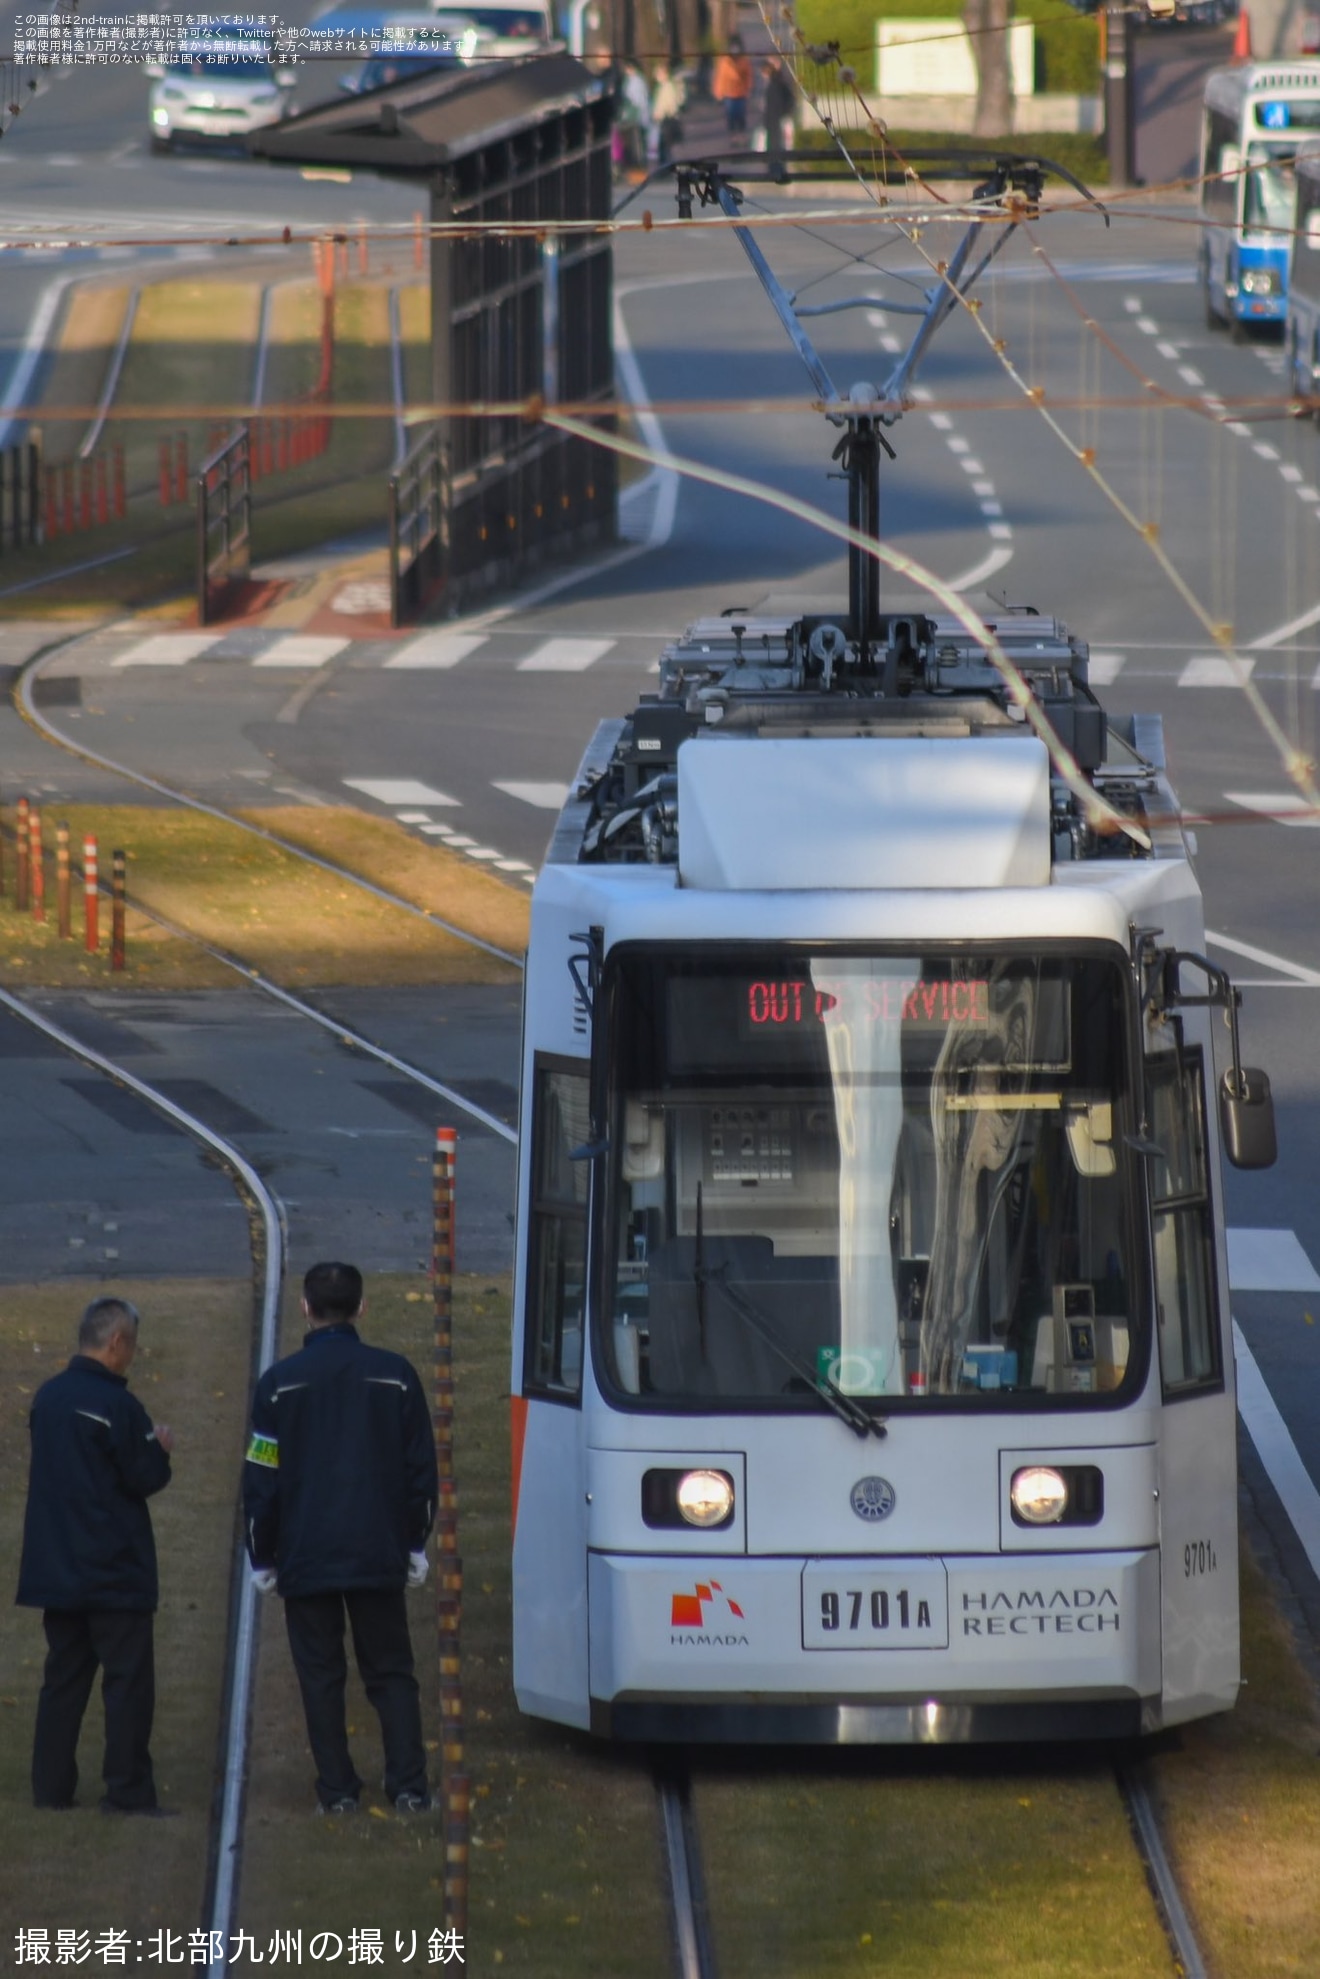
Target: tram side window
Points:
(1223, 158)
(556, 1299)
(1180, 1220)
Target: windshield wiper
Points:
(859, 1420)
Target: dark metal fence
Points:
(224, 522)
(419, 517)
(20, 496)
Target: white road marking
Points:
(565, 655)
(1277, 1451)
(413, 817)
(891, 344)
(983, 487)
(1307, 494)
(1290, 473)
(1132, 303)
(1212, 670)
(481, 851)
(1275, 804)
(1103, 669)
(300, 649)
(1283, 633)
(438, 650)
(545, 796)
(1269, 1261)
(981, 573)
(941, 422)
(1190, 375)
(971, 466)
(1265, 450)
(396, 790)
(1148, 326)
(957, 445)
(1168, 350)
(167, 649)
(992, 508)
(1295, 970)
(1001, 531)
(512, 866)
(1237, 426)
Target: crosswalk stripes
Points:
(1269, 1261)
(436, 650)
(1214, 670)
(395, 791)
(543, 796)
(167, 649)
(300, 649)
(566, 655)
(1103, 669)
(1276, 804)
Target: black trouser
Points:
(379, 1621)
(120, 1641)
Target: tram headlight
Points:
(1039, 1495)
(704, 1498)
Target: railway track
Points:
(267, 1223)
(696, 1909)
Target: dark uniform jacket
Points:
(340, 1480)
(87, 1540)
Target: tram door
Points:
(1198, 1448)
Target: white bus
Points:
(1255, 117)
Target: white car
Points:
(218, 87)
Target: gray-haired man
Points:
(89, 1561)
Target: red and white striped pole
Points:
(91, 897)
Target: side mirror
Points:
(1246, 1118)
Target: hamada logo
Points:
(689, 1610)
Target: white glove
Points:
(418, 1566)
(263, 1579)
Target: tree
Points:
(987, 23)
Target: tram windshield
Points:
(873, 1174)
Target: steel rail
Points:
(695, 1952)
(30, 713)
(227, 1836)
(1159, 1872)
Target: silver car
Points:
(218, 87)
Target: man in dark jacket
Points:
(89, 1561)
(339, 1492)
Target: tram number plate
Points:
(863, 1607)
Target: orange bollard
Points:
(64, 919)
(118, 895)
(166, 482)
(91, 898)
(181, 467)
(1242, 38)
(120, 484)
(22, 870)
(38, 864)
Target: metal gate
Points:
(224, 523)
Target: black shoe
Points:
(345, 1803)
(412, 1803)
(155, 1812)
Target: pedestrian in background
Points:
(732, 86)
(668, 96)
(89, 1562)
(339, 1492)
(775, 132)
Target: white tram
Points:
(872, 1367)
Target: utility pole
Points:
(1117, 60)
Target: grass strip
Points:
(565, 1860)
(298, 925)
(76, 1870)
(850, 1865)
(1239, 1802)
(383, 852)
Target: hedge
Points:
(1067, 43)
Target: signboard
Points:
(934, 58)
